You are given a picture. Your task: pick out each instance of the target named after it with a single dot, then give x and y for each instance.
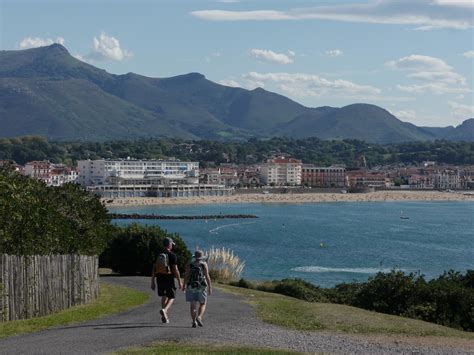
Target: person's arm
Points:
(186, 277)
(153, 278)
(175, 271)
(208, 279)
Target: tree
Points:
(36, 219)
(133, 249)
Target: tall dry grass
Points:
(224, 266)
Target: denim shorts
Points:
(196, 295)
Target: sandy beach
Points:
(296, 198)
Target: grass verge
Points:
(300, 315)
(183, 348)
(112, 299)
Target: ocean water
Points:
(331, 243)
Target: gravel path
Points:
(228, 321)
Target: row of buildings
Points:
(174, 178)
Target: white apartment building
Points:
(281, 171)
(136, 172)
(447, 179)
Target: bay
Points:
(330, 243)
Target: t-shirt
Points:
(172, 260)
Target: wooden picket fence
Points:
(39, 285)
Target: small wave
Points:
(214, 230)
(355, 270)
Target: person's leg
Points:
(202, 309)
(193, 310)
(167, 304)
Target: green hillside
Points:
(365, 122)
(46, 91)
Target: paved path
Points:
(229, 321)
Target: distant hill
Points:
(46, 91)
(463, 132)
(363, 121)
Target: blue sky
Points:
(413, 57)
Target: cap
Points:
(198, 254)
(168, 241)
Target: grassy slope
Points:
(112, 299)
(300, 315)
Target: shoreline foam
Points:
(379, 196)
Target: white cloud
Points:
(461, 111)
(292, 53)
(469, 54)
(419, 62)
(308, 85)
(80, 57)
(434, 88)
(33, 42)
(270, 56)
(230, 82)
(209, 58)
(424, 14)
(437, 76)
(404, 115)
(334, 53)
(108, 48)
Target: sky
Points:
(414, 58)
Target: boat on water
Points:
(402, 216)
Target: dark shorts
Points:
(165, 286)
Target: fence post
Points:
(39, 285)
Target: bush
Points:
(452, 299)
(344, 293)
(224, 266)
(36, 219)
(391, 293)
(243, 284)
(300, 289)
(133, 249)
(447, 300)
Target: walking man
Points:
(198, 285)
(165, 271)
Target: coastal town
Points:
(171, 178)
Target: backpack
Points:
(196, 276)
(162, 264)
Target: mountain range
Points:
(46, 91)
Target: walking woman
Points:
(198, 286)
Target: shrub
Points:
(243, 284)
(344, 293)
(36, 219)
(133, 249)
(391, 293)
(452, 297)
(300, 289)
(224, 266)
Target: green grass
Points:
(300, 315)
(112, 299)
(180, 348)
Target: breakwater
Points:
(159, 216)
